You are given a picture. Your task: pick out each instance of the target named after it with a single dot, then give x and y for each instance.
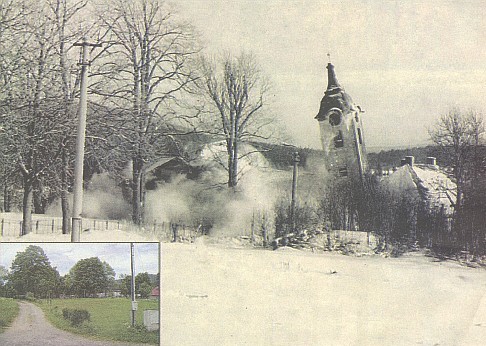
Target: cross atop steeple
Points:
(329, 57)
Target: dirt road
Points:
(31, 328)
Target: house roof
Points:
(155, 292)
(427, 182)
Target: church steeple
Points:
(341, 131)
(331, 78)
(334, 96)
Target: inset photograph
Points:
(79, 294)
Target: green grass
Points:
(110, 318)
(9, 309)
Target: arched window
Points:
(335, 117)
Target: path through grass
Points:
(9, 310)
(110, 318)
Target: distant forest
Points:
(391, 158)
(281, 156)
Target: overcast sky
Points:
(403, 62)
(65, 255)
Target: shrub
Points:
(75, 316)
(30, 296)
(305, 217)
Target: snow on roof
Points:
(440, 188)
(425, 181)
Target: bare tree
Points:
(143, 70)
(10, 20)
(237, 89)
(459, 134)
(34, 119)
(25, 131)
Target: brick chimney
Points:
(408, 160)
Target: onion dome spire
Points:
(332, 81)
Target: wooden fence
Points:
(12, 228)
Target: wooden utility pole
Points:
(253, 227)
(296, 160)
(80, 139)
(132, 285)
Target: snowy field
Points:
(85, 236)
(239, 296)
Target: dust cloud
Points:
(102, 199)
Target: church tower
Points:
(341, 132)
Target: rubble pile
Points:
(303, 240)
(346, 242)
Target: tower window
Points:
(359, 136)
(335, 118)
(343, 171)
(338, 140)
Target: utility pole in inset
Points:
(80, 139)
(132, 285)
(296, 160)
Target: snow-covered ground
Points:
(86, 236)
(213, 295)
